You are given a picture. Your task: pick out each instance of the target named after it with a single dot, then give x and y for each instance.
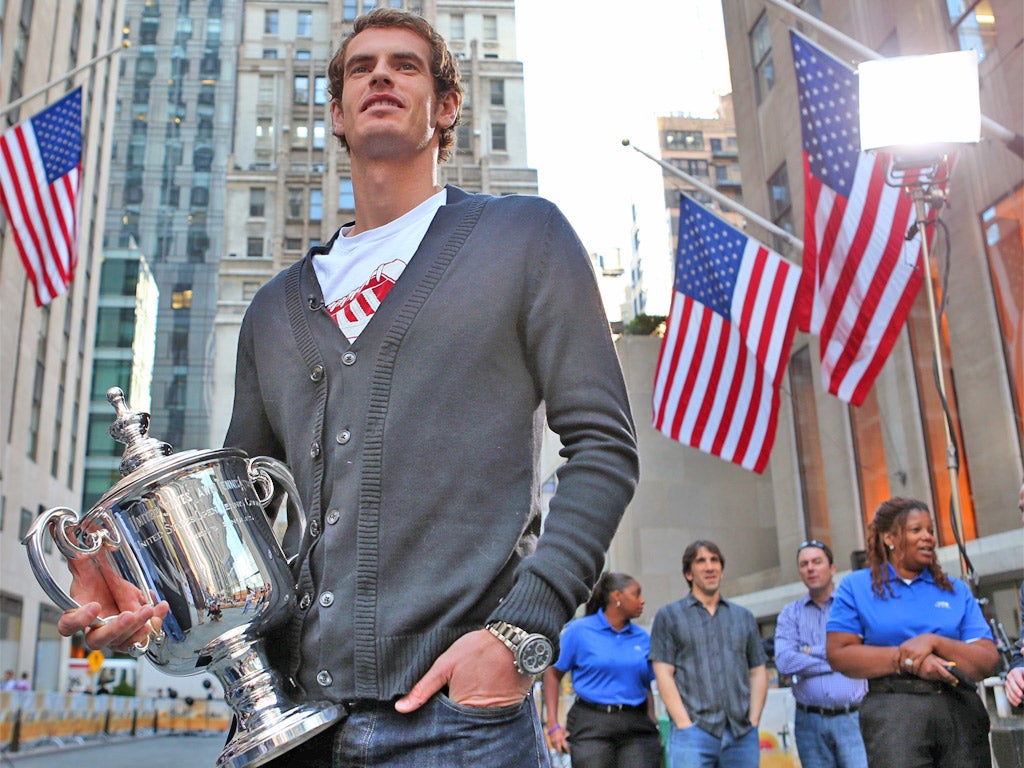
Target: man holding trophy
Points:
(403, 372)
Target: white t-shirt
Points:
(359, 270)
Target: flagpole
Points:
(68, 75)
(725, 200)
(1013, 141)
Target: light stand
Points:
(924, 181)
(917, 107)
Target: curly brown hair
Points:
(443, 65)
(891, 517)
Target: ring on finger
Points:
(909, 662)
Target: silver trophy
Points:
(191, 529)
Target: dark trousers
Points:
(930, 730)
(626, 739)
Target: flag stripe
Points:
(862, 272)
(40, 177)
(714, 354)
(749, 299)
(770, 353)
(20, 211)
(753, 449)
(730, 430)
(726, 342)
(668, 363)
(870, 321)
(694, 346)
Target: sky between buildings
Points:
(599, 72)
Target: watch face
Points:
(535, 655)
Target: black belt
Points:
(609, 708)
(828, 711)
(900, 684)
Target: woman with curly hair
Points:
(920, 639)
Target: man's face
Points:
(388, 107)
(815, 570)
(705, 574)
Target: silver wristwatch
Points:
(532, 653)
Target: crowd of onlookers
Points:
(10, 683)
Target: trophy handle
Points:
(75, 541)
(56, 522)
(263, 471)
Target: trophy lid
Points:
(149, 462)
(130, 428)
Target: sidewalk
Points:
(50, 745)
(150, 750)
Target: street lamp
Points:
(920, 109)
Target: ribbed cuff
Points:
(534, 606)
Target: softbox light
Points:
(920, 103)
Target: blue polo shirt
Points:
(916, 608)
(607, 667)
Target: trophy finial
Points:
(130, 427)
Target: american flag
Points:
(863, 274)
(40, 171)
(726, 341)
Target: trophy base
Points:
(250, 748)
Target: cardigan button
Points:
(316, 373)
(333, 516)
(323, 677)
(314, 449)
(343, 437)
(306, 601)
(314, 528)
(349, 358)
(327, 599)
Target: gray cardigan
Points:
(415, 449)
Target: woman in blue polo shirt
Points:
(904, 625)
(612, 720)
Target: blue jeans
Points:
(695, 748)
(441, 734)
(830, 742)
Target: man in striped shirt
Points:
(710, 666)
(827, 722)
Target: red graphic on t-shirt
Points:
(353, 312)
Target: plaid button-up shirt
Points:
(712, 656)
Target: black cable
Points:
(954, 447)
(945, 272)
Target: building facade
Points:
(288, 180)
(46, 353)
(705, 148)
(173, 135)
(833, 463)
(124, 356)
